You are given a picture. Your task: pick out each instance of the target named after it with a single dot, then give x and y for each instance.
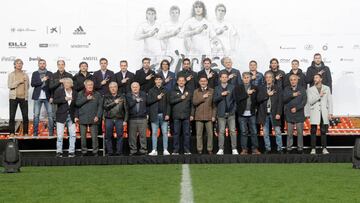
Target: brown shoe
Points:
(256, 152)
(244, 152)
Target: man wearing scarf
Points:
(41, 95)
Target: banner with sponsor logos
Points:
(246, 30)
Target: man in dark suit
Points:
(209, 73)
(103, 77)
(81, 76)
(167, 76)
(145, 76)
(41, 95)
(190, 76)
(65, 99)
(124, 78)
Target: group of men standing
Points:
(165, 100)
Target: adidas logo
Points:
(79, 31)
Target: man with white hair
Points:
(89, 103)
(136, 101)
(116, 115)
(65, 99)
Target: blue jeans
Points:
(164, 131)
(60, 135)
(184, 125)
(268, 120)
(245, 123)
(110, 123)
(37, 107)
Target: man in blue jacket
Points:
(41, 95)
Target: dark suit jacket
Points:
(276, 104)
(124, 88)
(89, 109)
(55, 81)
(140, 76)
(37, 84)
(79, 79)
(103, 89)
(155, 104)
(64, 109)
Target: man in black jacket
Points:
(209, 73)
(41, 95)
(180, 101)
(159, 114)
(90, 106)
(136, 101)
(116, 115)
(295, 70)
(295, 99)
(318, 67)
(65, 99)
(189, 75)
(81, 76)
(124, 78)
(279, 75)
(145, 76)
(270, 109)
(56, 82)
(246, 108)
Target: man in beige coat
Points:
(321, 111)
(204, 112)
(18, 84)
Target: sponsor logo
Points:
(13, 29)
(34, 58)
(309, 47)
(340, 46)
(288, 47)
(284, 61)
(79, 31)
(303, 60)
(48, 45)
(53, 30)
(61, 58)
(325, 47)
(347, 60)
(17, 45)
(8, 58)
(325, 60)
(80, 46)
(356, 46)
(90, 58)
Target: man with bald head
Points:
(138, 115)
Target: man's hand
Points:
(160, 96)
(321, 72)
(206, 95)
(96, 119)
(44, 78)
(251, 91)
(138, 100)
(278, 77)
(271, 93)
(103, 82)
(167, 117)
(183, 97)
(293, 110)
(124, 80)
(232, 75)
(89, 97)
(211, 74)
(224, 93)
(295, 94)
(61, 80)
(277, 117)
(68, 98)
(149, 76)
(322, 93)
(191, 118)
(189, 78)
(118, 100)
(168, 79)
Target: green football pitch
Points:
(162, 183)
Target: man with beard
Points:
(318, 67)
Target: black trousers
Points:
(323, 131)
(24, 111)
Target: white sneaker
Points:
(313, 151)
(187, 153)
(166, 152)
(220, 152)
(153, 153)
(325, 151)
(235, 152)
(175, 153)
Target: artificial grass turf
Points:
(275, 183)
(131, 183)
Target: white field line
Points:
(186, 187)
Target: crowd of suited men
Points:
(165, 100)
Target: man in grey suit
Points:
(321, 111)
(89, 103)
